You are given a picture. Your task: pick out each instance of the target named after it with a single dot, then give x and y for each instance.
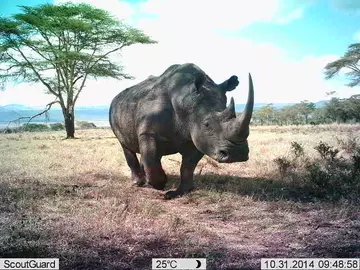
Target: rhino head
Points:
(216, 130)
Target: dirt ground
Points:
(72, 199)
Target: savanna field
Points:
(297, 196)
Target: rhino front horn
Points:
(245, 118)
(238, 128)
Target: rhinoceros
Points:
(181, 111)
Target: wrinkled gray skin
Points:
(181, 111)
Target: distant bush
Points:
(7, 130)
(85, 124)
(31, 127)
(57, 126)
(35, 127)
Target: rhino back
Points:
(160, 106)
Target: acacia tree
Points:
(353, 103)
(267, 113)
(336, 111)
(61, 47)
(348, 61)
(305, 109)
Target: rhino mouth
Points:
(229, 160)
(231, 155)
(223, 157)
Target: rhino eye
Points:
(206, 124)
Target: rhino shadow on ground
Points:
(264, 189)
(24, 233)
(332, 248)
(31, 237)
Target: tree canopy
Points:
(62, 46)
(335, 110)
(350, 62)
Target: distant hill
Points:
(103, 107)
(15, 107)
(96, 114)
(321, 103)
(240, 107)
(99, 115)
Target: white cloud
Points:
(356, 36)
(27, 94)
(292, 16)
(204, 14)
(352, 6)
(120, 9)
(189, 31)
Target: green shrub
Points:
(351, 146)
(85, 124)
(283, 165)
(333, 182)
(35, 127)
(297, 149)
(335, 177)
(7, 131)
(57, 126)
(319, 178)
(355, 157)
(326, 151)
(350, 143)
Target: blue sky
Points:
(322, 30)
(7, 8)
(284, 44)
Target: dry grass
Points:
(72, 199)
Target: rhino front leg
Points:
(188, 165)
(151, 162)
(137, 172)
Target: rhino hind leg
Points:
(137, 171)
(188, 165)
(151, 162)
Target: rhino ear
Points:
(229, 84)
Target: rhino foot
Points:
(172, 194)
(158, 186)
(156, 177)
(139, 182)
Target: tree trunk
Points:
(69, 125)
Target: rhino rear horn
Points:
(229, 111)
